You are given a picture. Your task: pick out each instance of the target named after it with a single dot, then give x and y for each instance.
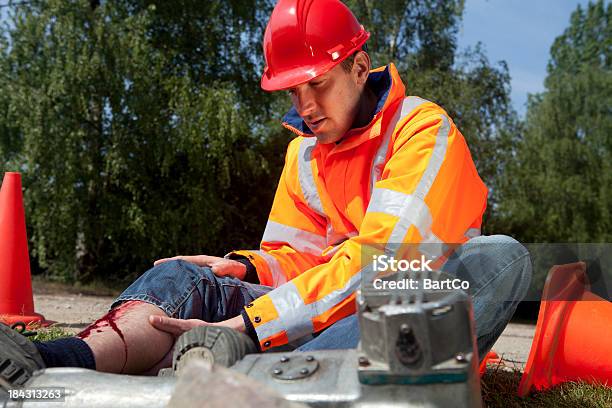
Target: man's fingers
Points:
(166, 324)
(169, 325)
(174, 326)
(200, 260)
(161, 261)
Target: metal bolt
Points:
(310, 358)
(363, 361)
(460, 357)
(304, 371)
(284, 359)
(277, 371)
(404, 329)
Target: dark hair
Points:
(347, 64)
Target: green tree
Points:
(557, 183)
(132, 124)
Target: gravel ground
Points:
(515, 343)
(73, 311)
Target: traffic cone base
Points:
(573, 332)
(27, 319)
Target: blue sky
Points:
(520, 32)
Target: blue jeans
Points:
(497, 267)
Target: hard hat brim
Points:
(293, 78)
(300, 75)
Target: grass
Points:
(499, 390)
(498, 386)
(49, 333)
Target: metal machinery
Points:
(417, 350)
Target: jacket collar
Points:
(387, 86)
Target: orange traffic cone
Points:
(573, 335)
(16, 301)
(491, 358)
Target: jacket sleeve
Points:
(429, 192)
(295, 236)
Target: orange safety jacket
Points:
(406, 177)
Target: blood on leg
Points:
(123, 341)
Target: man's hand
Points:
(219, 266)
(177, 327)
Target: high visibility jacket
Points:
(406, 177)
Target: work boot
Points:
(19, 358)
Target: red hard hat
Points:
(307, 38)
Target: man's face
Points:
(328, 103)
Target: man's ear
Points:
(361, 67)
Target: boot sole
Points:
(12, 374)
(19, 358)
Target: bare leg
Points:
(123, 340)
(165, 362)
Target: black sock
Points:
(66, 352)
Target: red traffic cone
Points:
(16, 301)
(573, 334)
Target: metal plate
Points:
(294, 367)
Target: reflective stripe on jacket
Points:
(406, 177)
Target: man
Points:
(369, 167)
